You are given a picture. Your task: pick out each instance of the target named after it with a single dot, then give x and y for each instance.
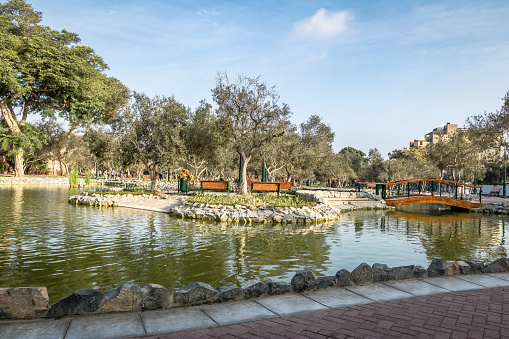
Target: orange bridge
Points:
(427, 191)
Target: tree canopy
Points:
(251, 113)
(48, 72)
(151, 132)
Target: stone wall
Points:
(45, 180)
(33, 180)
(343, 200)
(32, 302)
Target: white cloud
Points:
(322, 25)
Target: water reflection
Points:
(46, 242)
(456, 235)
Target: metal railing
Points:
(418, 187)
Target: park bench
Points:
(213, 185)
(285, 185)
(249, 181)
(495, 192)
(266, 187)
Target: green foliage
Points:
(88, 179)
(412, 164)
(151, 133)
(3, 166)
(49, 73)
(252, 200)
(353, 151)
(29, 139)
(457, 157)
(74, 177)
(376, 169)
(250, 115)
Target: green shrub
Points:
(3, 166)
(74, 177)
(254, 200)
(88, 179)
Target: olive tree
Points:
(151, 132)
(250, 111)
(457, 156)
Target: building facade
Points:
(433, 136)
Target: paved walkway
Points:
(469, 306)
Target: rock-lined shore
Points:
(42, 180)
(32, 302)
(329, 206)
(178, 207)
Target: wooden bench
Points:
(495, 192)
(266, 187)
(249, 181)
(285, 185)
(212, 185)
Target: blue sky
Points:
(380, 73)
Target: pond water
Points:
(44, 241)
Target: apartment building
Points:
(433, 136)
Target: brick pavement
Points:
(482, 313)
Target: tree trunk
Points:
(18, 164)
(243, 177)
(64, 169)
(14, 128)
(153, 178)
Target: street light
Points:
(505, 176)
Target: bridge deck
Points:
(428, 199)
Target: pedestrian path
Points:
(465, 306)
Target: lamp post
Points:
(389, 154)
(504, 191)
(505, 177)
(475, 181)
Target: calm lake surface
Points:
(44, 241)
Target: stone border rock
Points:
(330, 204)
(223, 213)
(247, 215)
(489, 208)
(32, 302)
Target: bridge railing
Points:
(418, 187)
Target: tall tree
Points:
(491, 130)
(457, 156)
(412, 164)
(151, 132)
(203, 139)
(376, 169)
(250, 112)
(48, 72)
(354, 151)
